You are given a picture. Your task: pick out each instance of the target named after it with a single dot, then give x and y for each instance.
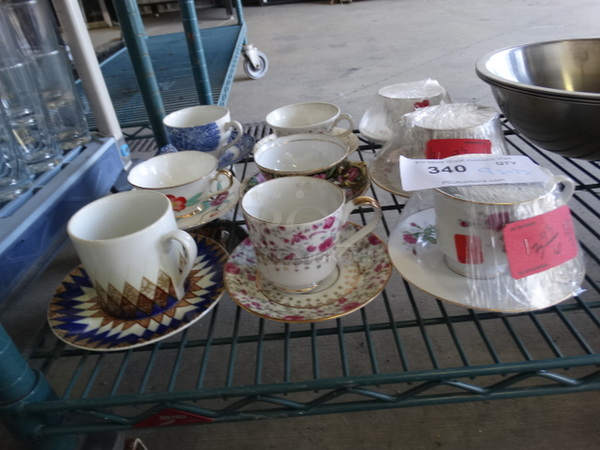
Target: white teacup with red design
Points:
(294, 224)
(392, 102)
(133, 252)
(470, 220)
(187, 178)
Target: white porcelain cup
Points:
(187, 178)
(393, 101)
(470, 220)
(206, 128)
(294, 224)
(309, 117)
(133, 252)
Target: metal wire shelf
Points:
(404, 349)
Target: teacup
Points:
(452, 129)
(206, 128)
(309, 117)
(394, 101)
(187, 178)
(294, 224)
(470, 220)
(301, 154)
(133, 252)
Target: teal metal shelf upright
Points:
(155, 75)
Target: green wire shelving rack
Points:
(403, 349)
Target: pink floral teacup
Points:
(187, 178)
(294, 224)
(470, 220)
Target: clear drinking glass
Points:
(22, 103)
(37, 33)
(14, 177)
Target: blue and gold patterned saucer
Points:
(75, 318)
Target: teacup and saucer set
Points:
(310, 117)
(198, 190)
(506, 248)
(141, 279)
(208, 129)
(302, 261)
(309, 154)
(436, 132)
(392, 102)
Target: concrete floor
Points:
(344, 54)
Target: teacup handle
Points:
(348, 119)
(238, 128)
(190, 250)
(210, 194)
(569, 187)
(365, 230)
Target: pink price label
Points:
(540, 243)
(170, 417)
(443, 148)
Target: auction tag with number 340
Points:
(419, 174)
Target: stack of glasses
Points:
(42, 114)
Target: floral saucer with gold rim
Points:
(353, 180)
(75, 317)
(356, 283)
(415, 254)
(213, 207)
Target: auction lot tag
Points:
(540, 243)
(419, 174)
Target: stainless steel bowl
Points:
(550, 92)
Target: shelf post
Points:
(196, 51)
(19, 385)
(135, 38)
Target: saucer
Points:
(377, 136)
(415, 254)
(351, 140)
(352, 189)
(232, 155)
(385, 172)
(213, 208)
(358, 282)
(243, 148)
(75, 318)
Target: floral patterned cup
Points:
(186, 178)
(294, 224)
(470, 220)
(205, 128)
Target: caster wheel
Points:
(257, 72)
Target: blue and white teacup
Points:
(205, 128)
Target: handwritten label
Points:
(540, 243)
(444, 148)
(417, 174)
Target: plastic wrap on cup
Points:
(393, 101)
(437, 132)
(505, 248)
